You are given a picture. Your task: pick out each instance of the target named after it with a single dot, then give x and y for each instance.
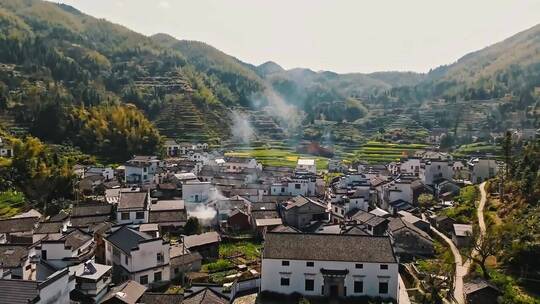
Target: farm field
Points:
(481, 148)
(376, 152)
(11, 203)
(278, 157)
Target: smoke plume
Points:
(242, 130)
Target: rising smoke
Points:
(204, 212)
(241, 128)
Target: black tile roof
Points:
(126, 238)
(12, 225)
(91, 209)
(18, 291)
(11, 256)
(328, 247)
(132, 200)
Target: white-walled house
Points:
(331, 265)
(482, 169)
(106, 172)
(92, 279)
(142, 169)
(298, 184)
(5, 149)
(54, 289)
(433, 170)
(307, 165)
(133, 207)
(238, 164)
(196, 191)
(66, 250)
(137, 256)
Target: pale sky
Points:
(336, 35)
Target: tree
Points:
(484, 246)
(192, 226)
(438, 284)
(425, 201)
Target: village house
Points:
(172, 148)
(6, 150)
(133, 207)
(301, 211)
(137, 256)
(482, 169)
(306, 165)
(14, 262)
(91, 281)
(433, 170)
(142, 169)
(72, 248)
(374, 225)
(462, 235)
(237, 164)
(17, 230)
(481, 292)
(301, 183)
(331, 265)
(170, 215)
(183, 261)
(409, 241)
(54, 289)
(106, 172)
(206, 244)
(129, 292)
(196, 191)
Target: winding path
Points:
(481, 222)
(461, 271)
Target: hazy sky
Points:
(337, 35)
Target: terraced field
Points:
(279, 157)
(382, 152)
(478, 149)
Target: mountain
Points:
(521, 49)
(54, 58)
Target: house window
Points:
(358, 286)
(384, 266)
(176, 270)
(297, 186)
(43, 254)
(143, 280)
(285, 263)
(359, 266)
(157, 276)
(126, 259)
(124, 216)
(310, 264)
(383, 287)
(159, 257)
(139, 215)
(282, 189)
(285, 281)
(310, 284)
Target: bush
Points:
(219, 265)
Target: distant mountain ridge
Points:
(91, 61)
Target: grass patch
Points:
(217, 266)
(250, 250)
(11, 203)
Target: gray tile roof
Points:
(49, 227)
(201, 239)
(162, 298)
(328, 247)
(18, 291)
(91, 209)
(13, 225)
(129, 292)
(126, 238)
(11, 256)
(132, 200)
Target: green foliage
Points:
(192, 226)
(464, 212)
(11, 203)
(40, 173)
(219, 265)
(511, 292)
(118, 132)
(250, 250)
